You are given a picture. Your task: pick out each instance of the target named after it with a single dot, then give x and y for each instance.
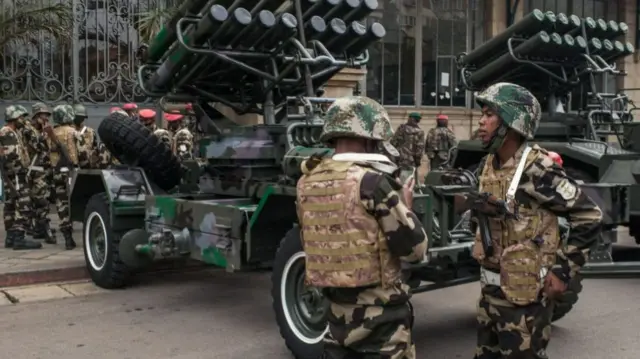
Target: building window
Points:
(597, 9)
(445, 29)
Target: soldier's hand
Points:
(553, 286)
(407, 190)
(46, 128)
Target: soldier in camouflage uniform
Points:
(347, 202)
(148, 119)
(131, 109)
(409, 139)
(440, 140)
(65, 136)
(87, 139)
(40, 171)
(15, 163)
(521, 278)
(182, 139)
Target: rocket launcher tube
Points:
(590, 25)
(167, 36)
(341, 43)
(529, 25)
(374, 33)
(365, 9)
(285, 28)
(616, 30)
(496, 68)
(179, 56)
(565, 24)
(320, 8)
(237, 22)
(343, 9)
(314, 28)
(336, 28)
(248, 36)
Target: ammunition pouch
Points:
(521, 273)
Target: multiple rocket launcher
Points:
(242, 27)
(544, 38)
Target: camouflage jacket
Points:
(105, 158)
(164, 136)
(38, 145)
(16, 156)
(409, 141)
(546, 186)
(183, 144)
(87, 147)
(439, 141)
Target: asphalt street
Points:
(219, 315)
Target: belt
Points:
(491, 277)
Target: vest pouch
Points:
(520, 266)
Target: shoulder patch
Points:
(566, 189)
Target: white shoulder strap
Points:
(84, 129)
(513, 187)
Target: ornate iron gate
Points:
(74, 50)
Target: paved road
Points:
(217, 315)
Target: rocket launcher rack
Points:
(252, 55)
(549, 54)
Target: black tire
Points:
(569, 298)
(108, 272)
(304, 340)
(133, 144)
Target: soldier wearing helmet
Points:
(40, 171)
(64, 158)
(87, 139)
(409, 140)
(440, 140)
(521, 278)
(14, 168)
(352, 198)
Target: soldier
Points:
(15, 162)
(409, 140)
(87, 139)
(65, 144)
(440, 140)
(148, 119)
(118, 110)
(519, 279)
(131, 109)
(182, 144)
(40, 171)
(347, 203)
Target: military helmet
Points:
(14, 112)
(515, 105)
(80, 110)
(38, 108)
(63, 114)
(358, 116)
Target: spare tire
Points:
(133, 144)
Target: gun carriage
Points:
(234, 207)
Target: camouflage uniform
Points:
(65, 133)
(15, 163)
(514, 312)
(409, 139)
(40, 171)
(341, 201)
(440, 140)
(182, 139)
(87, 139)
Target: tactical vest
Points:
(22, 150)
(516, 254)
(66, 136)
(343, 243)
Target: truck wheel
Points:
(134, 145)
(300, 310)
(569, 298)
(101, 253)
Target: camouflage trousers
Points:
(17, 206)
(60, 184)
(506, 331)
(369, 323)
(40, 193)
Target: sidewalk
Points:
(50, 264)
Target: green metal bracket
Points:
(512, 7)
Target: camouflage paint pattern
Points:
(63, 115)
(515, 105)
(16, 161)
(409, 140)
(440, 140)
(525, 248)
(87, 147)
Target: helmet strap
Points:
(497, 139)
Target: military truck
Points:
(234, 207)
(560, 58)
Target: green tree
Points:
(24, 22)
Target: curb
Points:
(42, 276)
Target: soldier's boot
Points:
(48, 234)
(8, 239)
(69, 243)
(21, 242)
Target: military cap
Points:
(415, 115)
(40, 107)
(147, 113)
(80, 110)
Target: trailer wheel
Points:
(569, 298)
(134, 145)
(101, 253)
(300, 310)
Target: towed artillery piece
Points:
(234, 207)
(558, 58)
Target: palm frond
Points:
(149, 23)
(29, 21)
